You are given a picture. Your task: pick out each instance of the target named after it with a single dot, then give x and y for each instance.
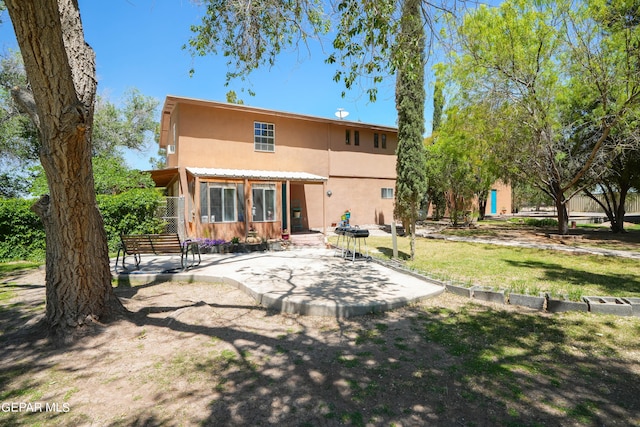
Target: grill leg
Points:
(338, 247)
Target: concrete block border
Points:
(459, 290)
(608, 305)
(634, 303)
(484, 293)
(562, 305)
(531, 301)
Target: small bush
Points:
(536, 222)
(21, 231)
(131, 212)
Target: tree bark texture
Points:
(60, 68)
(561, 207)
(613, 205)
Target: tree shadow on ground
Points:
(437, 367)
(423, 365)
(388, 252)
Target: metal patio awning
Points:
(256, 174)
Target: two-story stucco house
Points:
(242, 168)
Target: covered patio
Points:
(228, 203)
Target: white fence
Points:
(581, 203)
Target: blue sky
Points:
(138, 44)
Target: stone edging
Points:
(622, 306)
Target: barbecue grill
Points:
(351, 239)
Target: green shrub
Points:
(21, 231)
(536, 222)
(131, 212)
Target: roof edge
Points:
(172, 100)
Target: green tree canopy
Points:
(132, 125)
(563, 77)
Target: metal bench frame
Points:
(158, 244)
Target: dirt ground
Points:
(206, 354)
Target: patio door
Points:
(285, 213)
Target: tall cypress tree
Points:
(438, 104)
(411, 183)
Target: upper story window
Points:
(387, 193)
(384, 140)
(347, 137)
(264, 137)
(356, 137)
(376, 142)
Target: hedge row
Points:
(131, 212)
(22, 233)
(536, 222)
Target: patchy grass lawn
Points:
(517, 269)
(206, 354)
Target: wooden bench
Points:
(158, 244)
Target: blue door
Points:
(494, 202)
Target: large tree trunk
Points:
(561, 207)
(60, 68)
(617, 225)
(483, 197)
(613, 205)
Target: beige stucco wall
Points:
(214, 135)
(503, 200)
(218, 135)
(224, 139)
(362, 197)
(221, 138)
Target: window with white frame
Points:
(263, 206)
(387, 193)
(264, 136)
(221, 202)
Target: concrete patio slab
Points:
(304, 281)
